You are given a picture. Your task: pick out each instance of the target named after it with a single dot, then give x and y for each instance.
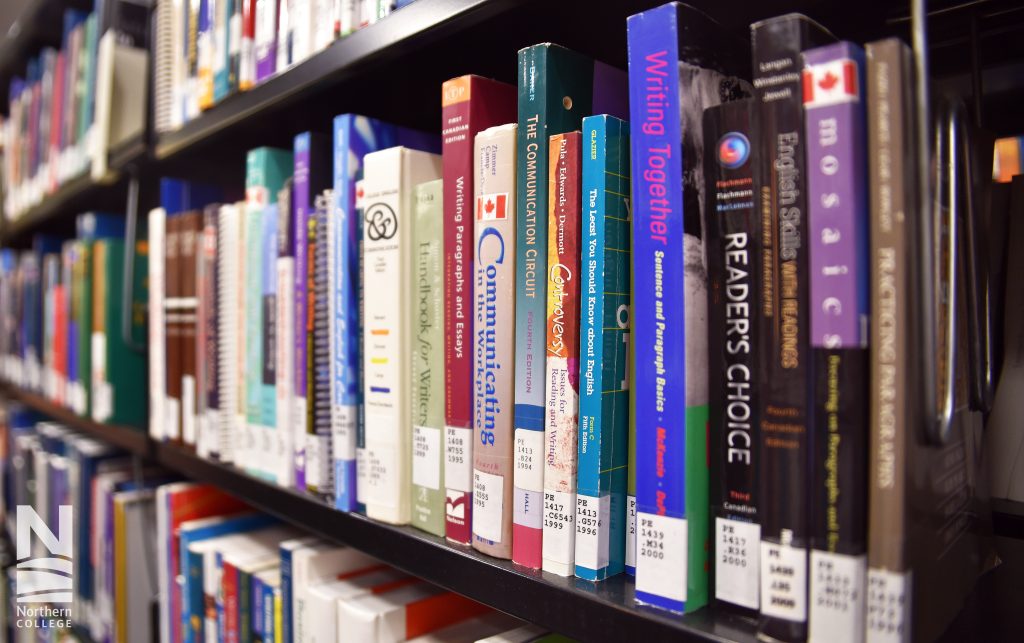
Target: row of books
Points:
(660, 339)
(214, 569)
(50, 116)
(63, 315)
(207, 50)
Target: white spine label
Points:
(426, 457)
(458, 459)
(888, 607)
(381, 476)
(783, 581)
(661, 556)
(529, 458)
(559, 543)
(631, 531)
(343, 424)
(737, 545)
(361, 476)
(837, 597)
(188, 406)
(592, 531)
(488, 497)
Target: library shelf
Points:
(56, 211)
(133, 440)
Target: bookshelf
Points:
(411, 50)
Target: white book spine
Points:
(302, 16)
(285, 369)
(157, 344)
(389, 176)
(228, 329)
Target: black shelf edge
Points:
(416, 24)
(133, 440)
(570, 606)
(66, 200)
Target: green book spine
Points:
(118, 370)
(428, 512)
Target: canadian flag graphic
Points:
(491, 207)
(831, 82)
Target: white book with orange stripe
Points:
(388, 179)
(404, 613)
(304, 567)
(322, 600)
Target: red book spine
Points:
(60, 338)
(469, 104)
(229, 586)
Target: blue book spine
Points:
(222, 49)
(604, 337)
(193, 610)
(354, 137)
(222, 621)
(257, 608)
(94, 225)
(659, 317)
(273, 594)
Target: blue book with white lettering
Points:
(678, 60)
(604, 337)
(354, 137)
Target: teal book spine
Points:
(266, 171)
(604, 342)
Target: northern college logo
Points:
(733, 150)
(44, 579)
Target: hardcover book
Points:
(557, 88)
(782, 320)
(230, 330)
(387, 245)
(835, 131)
(680, 63)
(284, 318)
(207, 341)
(732, 346)
(604, 349)
(354, 137)
(265, 39)
(494, 192)
(189, 226)
(469, 105)
(426, 321)
(561, 416)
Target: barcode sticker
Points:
(783, 581)
(592, 516)
(458, 460)
(737, 545)
(426, 457)
(529, 458)
(631, 533)
(488, 498)
(837, 597)
(661, 556)
(888, 607)
(381, 476)
(559, 542)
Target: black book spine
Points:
(732, 255)
(785, 387)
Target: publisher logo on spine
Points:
(44, 571)
(733, 150)
(381, 222)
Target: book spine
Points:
(604, 339)
(252, 355)
(244, 607)
(361, 468)
(228, 325)
(888, 594)
(284, 369)
(205, 52)
(784, 363)
(275, 460)
(188, 239)
(265, 39)
(561, 424)
(494, 191)
(287, 595)
(530, 308)
(319, 452)
(285, 32)
(386, 338)
(837, 219)
(346, 387)
(426, 321)
(172, 326)
(672, 476)
(256, 622)
(303, 206)
(227, 608)
(207, 339)
(157, 347)
(732, 266)
(247, 48)
(457, 154)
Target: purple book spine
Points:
(266, 39)
(302, 210)
(837, 189)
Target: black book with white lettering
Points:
(732, 260)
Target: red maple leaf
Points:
(489, 206)
(360, 193)
(828, 81)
